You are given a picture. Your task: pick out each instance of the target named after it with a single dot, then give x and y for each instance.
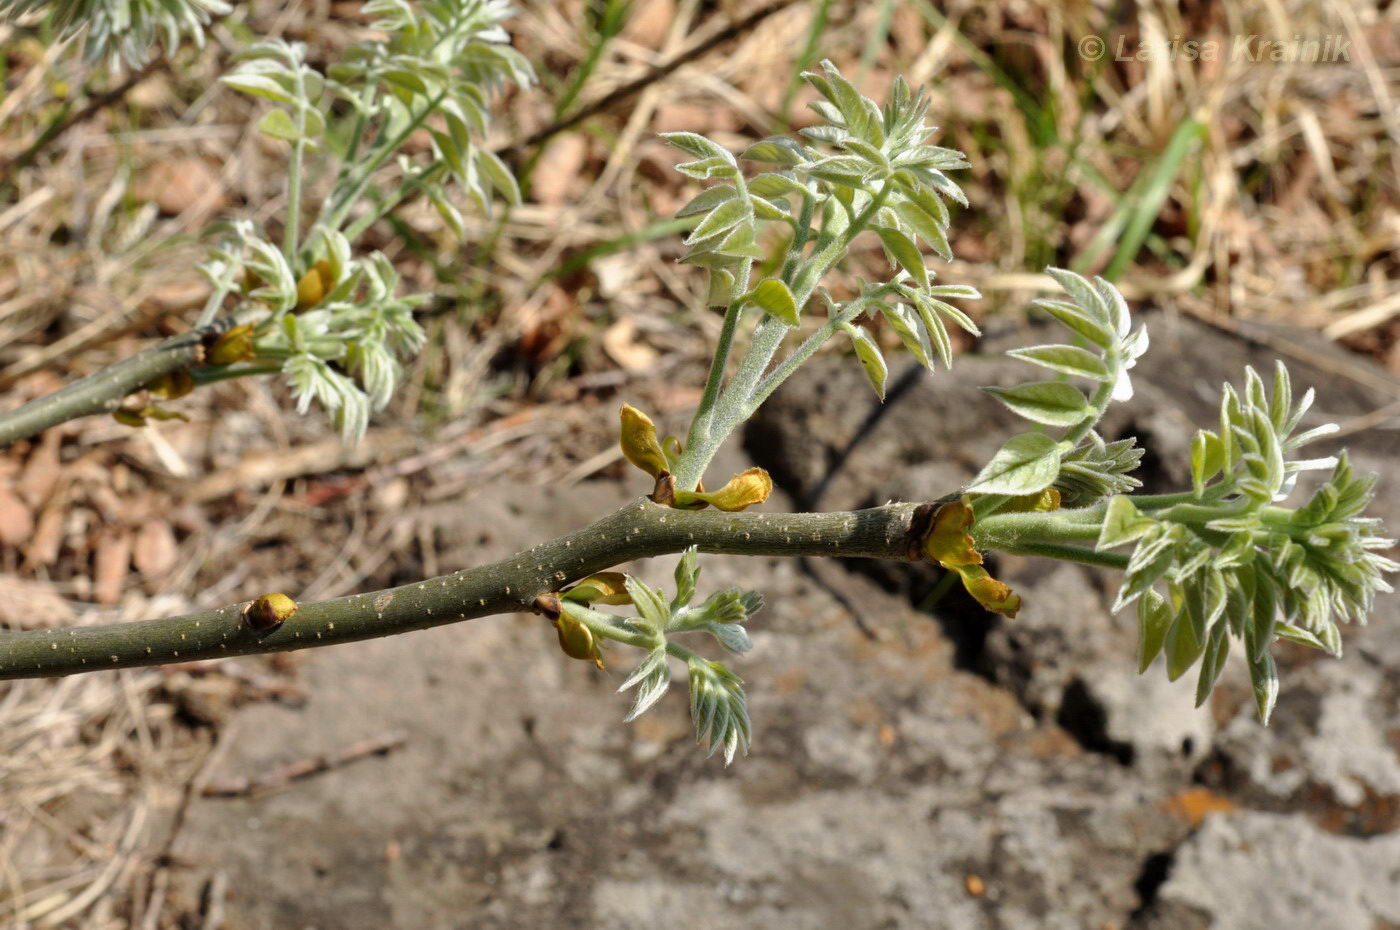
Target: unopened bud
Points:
(172, 384)
(576, 639)
(236, 345)
(315, 285)
(949, 544)
(269, 611)
(128, 417)
(602, 588)
(744, 490)
(637, 438)
(1039, 502)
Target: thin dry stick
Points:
(56, 129)
(278, 779)
(626, 91)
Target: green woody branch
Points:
(103, 392)
(637, 530)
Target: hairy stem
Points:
(636, 530)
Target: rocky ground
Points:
(908, 770)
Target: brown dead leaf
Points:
(16, 520)
(40, 475)
(48, 534)
(621, 343)
(109, 567)
(557, 172)
(648, 21)
(154, 551)
(29, 605)
(181, 183)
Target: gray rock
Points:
(1256, 871)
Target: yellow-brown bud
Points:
(602, 588)
(576, 639)
(744, 490)
(950, 545)
(236, 345)
(637, 437)
(128, 417)
(172, 384)
(1039, 502)
(315, 285)
(269, 611)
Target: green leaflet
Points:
(904, 253)
(775, 298)
(870, 358)
(1027, 463)
(1053, 403)
(1122, 523)
(1069, 360)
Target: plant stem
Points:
(605, 626)
(1065, 553)
(805, 351)
(103, 391)
(737, 402)
(1006, 531)
(341, 205)
(291, 232)
(636, 530)
(427, 175)
(700, 423)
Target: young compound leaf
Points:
(259, 85)
(1027, 463)
(687, 572)
(904, 253)
(775, 298)
(1263, 675)
(1053, 403)
(870, 358)
(732, 636)
(1069, 360)
(1084, 295)
(723, 217)
(654, 676)
(774, 186)
(1212, 662)
(926, 226)
(501, 179)
(1079, 322)
(903, 321)
(654, 610)
(1207, 458)
(1183, 647)
(707, 200)
(1154, 620)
